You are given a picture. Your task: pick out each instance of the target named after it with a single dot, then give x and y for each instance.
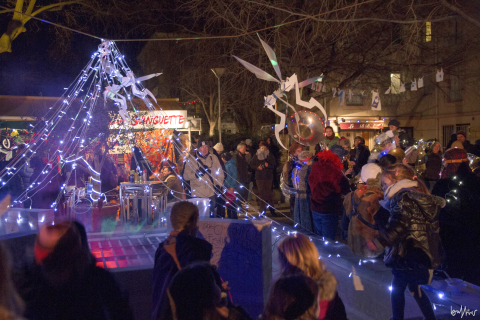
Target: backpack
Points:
(354, 212)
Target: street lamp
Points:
(218, 72)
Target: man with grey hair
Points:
(204, 172)
(243, 158)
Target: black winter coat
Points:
(412, 233)
(361, 157)
(187, 250)
(433, 166)
(460, 224)
(267, 172)
(68, 284)
(243, 169)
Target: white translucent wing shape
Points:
(272, 56)
(309, 81)
(257, 71)
(150, 76)
(279, 127)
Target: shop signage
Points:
(168, 119)
(361, 125)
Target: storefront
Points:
(368, 129)
(152, 132)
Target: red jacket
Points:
(328, 185)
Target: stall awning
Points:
(361, 125)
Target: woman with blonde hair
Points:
(298, 255)
(411, 237)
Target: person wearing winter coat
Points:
(469, 148)
(179, 250)
(330, 137)
(301, 171)
(460, 218)
(63, 282)
(138, 162)
(242, 159)
(204, 172)
(173, 183)
(11, 305)
(197, 293)
(231, 185)
(433, 165)
(292, 297)
(103, 163)
(364, 214)
(411, 237)
(328, 185)
(293, 152)
(298, 255)
(361, 155)
(263, 163)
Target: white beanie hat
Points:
(218, 147)
(370, 171)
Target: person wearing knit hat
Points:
(180, 249)
(469, 148)
(364, 215)
(460, 218)
(300, 173)
(218, 147)
(64, 281)
(452, 160)
(393, 124)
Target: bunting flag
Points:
(420, 82)
(350, 94)
(439, 76)
(363, 93)
(402, 87)
(388, 90)
(341, 97)
(414, 85)
(334, 91)
(318, 86)
(376, 103)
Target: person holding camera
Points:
(263, 163)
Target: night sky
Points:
(37, 67)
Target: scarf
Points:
(262, 155)
(331, 137)
(394, 189)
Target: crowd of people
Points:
(419, 212)
(414, 209)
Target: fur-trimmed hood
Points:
(327, 286)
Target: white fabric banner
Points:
(414, 85)
(439, 76)
(376, 103)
